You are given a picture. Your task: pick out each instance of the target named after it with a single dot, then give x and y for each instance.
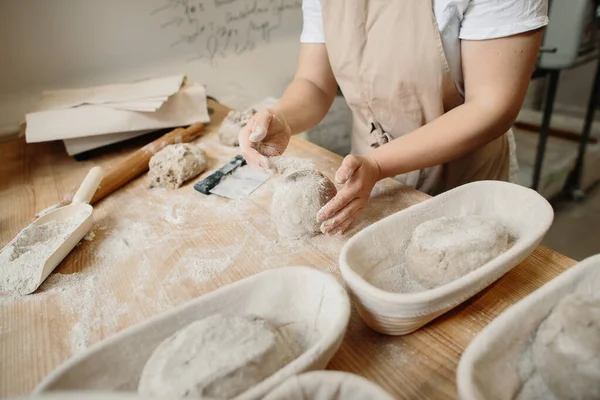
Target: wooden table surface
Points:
(151, 250)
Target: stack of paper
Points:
(94, 117)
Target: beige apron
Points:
(388, 60)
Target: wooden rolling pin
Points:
(137, 163)
(134, 165)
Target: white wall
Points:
(242, 50)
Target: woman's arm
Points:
(303, 105)
(496, 74)
(309, 96)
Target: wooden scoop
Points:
(75, 220)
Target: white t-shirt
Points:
(457, 19)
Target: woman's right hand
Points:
(266, 134)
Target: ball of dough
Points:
(232, 124)
(218, 357)
(566, 349)
(297, 201)
(175, 164)
(444, 249)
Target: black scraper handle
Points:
(207, 184)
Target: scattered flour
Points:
(163, 270)
(22, 259)
(203, 265)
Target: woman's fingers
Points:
(260, 127)
(350, 164)
(247, 148)
(343, 218)
(341, 228)
(344, 196)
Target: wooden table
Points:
(153, 249)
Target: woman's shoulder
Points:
(488, 19)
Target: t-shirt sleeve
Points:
(490, 19)
(312, 30)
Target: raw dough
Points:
(328, 385)
(232, 124)
(297, 201)
(444, 249)
(175, 164)
(566, 348)
(218, 357)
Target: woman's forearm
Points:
(309, 96)
(304, 105)
(447, 138)
(495, 90)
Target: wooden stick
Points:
(559, 133)
(137, 163)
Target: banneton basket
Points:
(328, 385)
(523, 211)
(305, 303)
(488, 369)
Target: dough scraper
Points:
(235, 180)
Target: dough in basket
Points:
(566, 349)
(444, 249)
(218, 357)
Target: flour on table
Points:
(232, 125)
(175, 164)
(296, 203)
(21, 260)
(444, 249)
(218, 357)
(160, 263)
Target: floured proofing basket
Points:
(489, 368)
(523, 211)
(304, 303)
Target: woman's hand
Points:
(267, 134)
(358, 174)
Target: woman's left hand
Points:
(358, 174)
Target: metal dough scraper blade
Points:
(235, 180)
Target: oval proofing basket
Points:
(309, 305)
(489, 367)
(523, 211)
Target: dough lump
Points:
(175, 164)
(218, 357)
(566, 348)
(232, 124)
(297, 201)
(446, 248)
